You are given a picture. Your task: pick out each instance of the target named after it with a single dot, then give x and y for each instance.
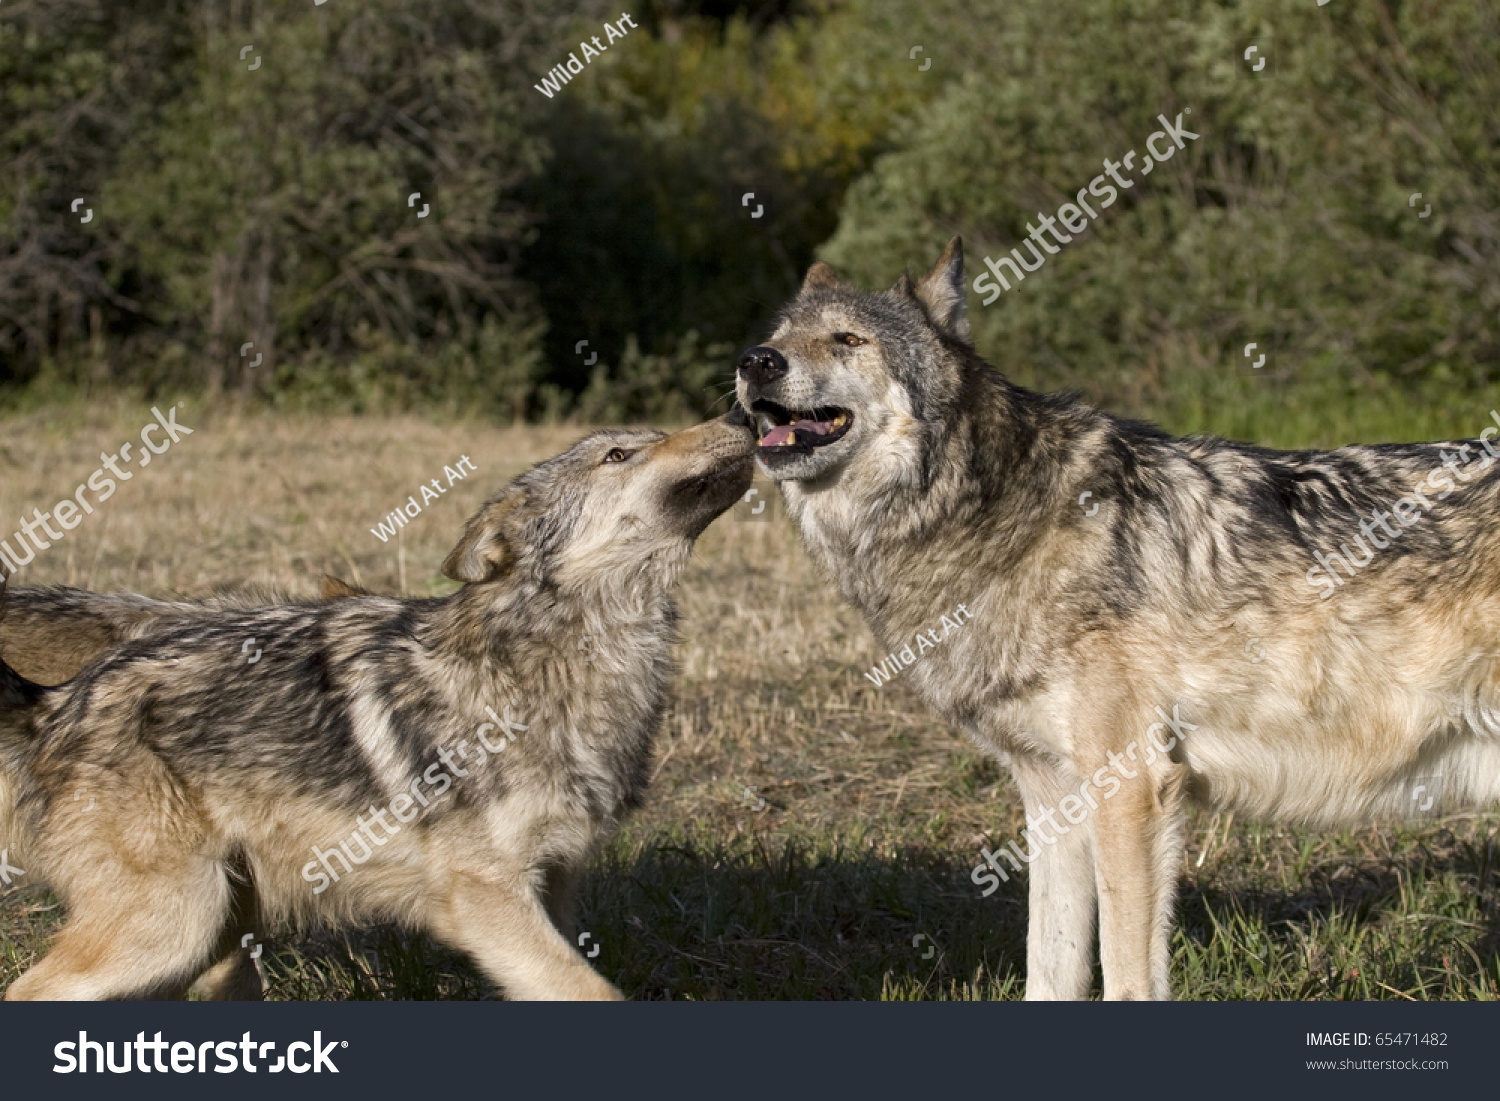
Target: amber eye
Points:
(849, 339)
(617, 455)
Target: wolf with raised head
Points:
(1152, 619)
(445, 763)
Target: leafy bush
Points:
(1286, 221)
(270, 207)
(274, 206)
(690, 382)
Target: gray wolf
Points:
(445, 763)
(1132, 589)
(49, 634)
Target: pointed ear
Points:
(485, 551)
(941, 290)
(820, 275)
(334, 589)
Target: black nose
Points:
(761, 365)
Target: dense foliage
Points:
(236, 203)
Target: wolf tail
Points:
(18, 698)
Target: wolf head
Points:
(618, 511)
(849, 383)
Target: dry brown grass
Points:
(873, 812)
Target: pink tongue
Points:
(784, 434)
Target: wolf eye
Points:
(617, 455)
(849, 339)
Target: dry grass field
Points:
(808, 835)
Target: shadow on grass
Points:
(682, 919)
(675, 921)
(794, 923)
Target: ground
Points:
(807, 835)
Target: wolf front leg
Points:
(1138, 841)
(503, 924)
(1061, 892)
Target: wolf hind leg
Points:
(237, 976)
(137, 937)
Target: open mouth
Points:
(781, 429)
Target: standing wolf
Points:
(1193, 599)
(446, 763)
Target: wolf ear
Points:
(942, 289)
(820, 275)
(485, 551)
(335, 589)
